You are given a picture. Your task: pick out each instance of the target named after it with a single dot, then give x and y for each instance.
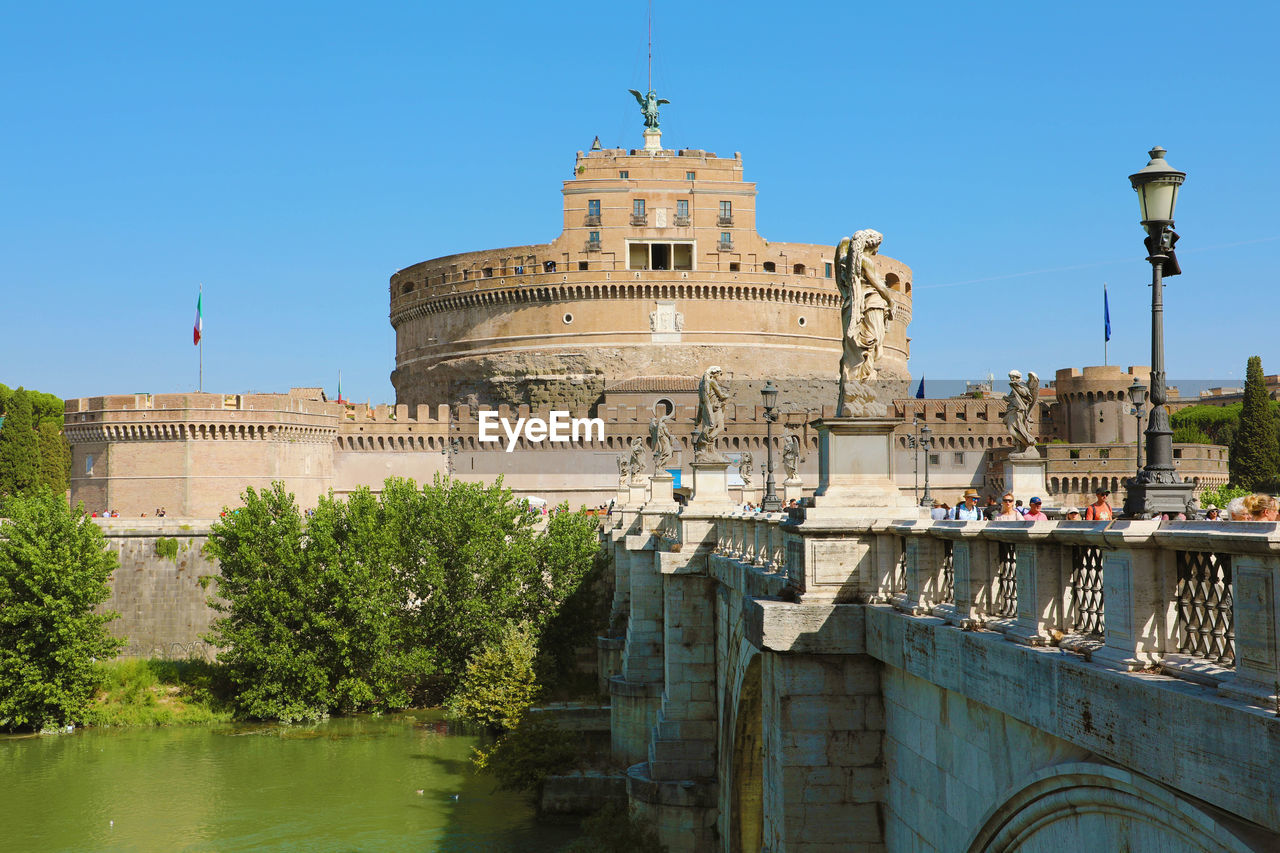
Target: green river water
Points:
(342, 785)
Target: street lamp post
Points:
(1158, 488)
(1138, 396)
(914, 444)
(926, 438)
(771, 502)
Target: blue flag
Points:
(920, 390)
(1106, 312)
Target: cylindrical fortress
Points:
(1095, 403)
(658, 271)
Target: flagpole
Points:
(200, 302)
(1106, 334)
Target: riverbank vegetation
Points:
(417, 596)
(136, 692)
(377, 602)
(54, 568)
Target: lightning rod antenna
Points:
(650, 45)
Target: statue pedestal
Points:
(653, 140)
(855, 463)
(637, 493)
(1025, 476)
(661, 493)
(792, 490)
(710, 485)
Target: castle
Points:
(657, 274)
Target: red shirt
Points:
(1035, 515)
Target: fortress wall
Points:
(163, 608)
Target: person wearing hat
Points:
(1099, 510)
(1212, 513)
(968, 511)
(1071, 514)
(1034, 514)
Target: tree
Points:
(19, 449)
(376, 601)
(500, 683)
(312, 615)
(54, 567)
(55, 457)
(1255, 453)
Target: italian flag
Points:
(199, 321)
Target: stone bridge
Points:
(829, 680)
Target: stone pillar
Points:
(1040, 587)
(1135, 597)
(1256, 608)
(675, 789)
(792, 490)
(1024, 475)
(972, 567)
(711, 486)
(824, 777)
(856, 471)
(635, 692)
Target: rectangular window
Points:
(624, 174)
(88, 463)
(826, 269)
(1074, 453)
(726, 239)
(690, 176)
(726, 209)
(934, 458)
(682, 208)
(959, 458)
(1104, 453)
(582, 265)
(593, 236)
(637, 207)
(593, 207)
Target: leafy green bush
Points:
(1190, 435)
(157, 693)
(1222, 495)
(524, 757)
(615, 830)
(499, 684)
(167, 547)
(54, 567)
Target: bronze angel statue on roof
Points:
(649, 106)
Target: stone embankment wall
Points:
(163, 605)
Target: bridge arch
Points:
(1113, 808)
(746, 803)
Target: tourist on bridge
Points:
(968, 511)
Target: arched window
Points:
(797, 269)
(770, 266)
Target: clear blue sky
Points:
(292, 156)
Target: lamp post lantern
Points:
(1138, 396)
(926, 437)
(1157, 488)
(771, 502)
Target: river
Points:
(397, 782)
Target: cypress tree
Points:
(55, 457)
(1255, 454)
(19, 450)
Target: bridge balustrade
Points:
(1193, 599)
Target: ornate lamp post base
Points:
(1148, 500)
